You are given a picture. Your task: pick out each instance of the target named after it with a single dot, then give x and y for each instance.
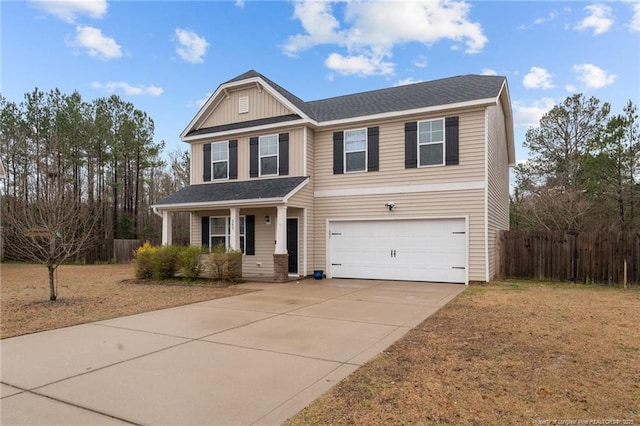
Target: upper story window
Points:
(431, 143)
(268, 155)
(355, 150)
(220, 160)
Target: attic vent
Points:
(243, 105)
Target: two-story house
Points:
(405, 183)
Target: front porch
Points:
(271, 232)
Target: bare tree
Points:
(48, 231)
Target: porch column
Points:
(234, 231)
(280, 255)
(281, 230)
(166, 228)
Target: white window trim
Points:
(366, 151)
(213, 162)
(277, 155)
(227, 235)
(444, 145)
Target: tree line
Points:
(96, 160)
(583, 170)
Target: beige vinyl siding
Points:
(304, 199)
(296, 153)
(261, 105)
(392, 169)
(498, 181)
(441, 204)
(261, 264)
(310, 151)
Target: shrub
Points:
(225, 264)
(190, 262)
(165, 263)
(145, 259)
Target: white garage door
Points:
(412, 250)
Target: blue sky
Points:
(166, 57)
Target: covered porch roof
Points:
(256, 192)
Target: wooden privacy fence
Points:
(604, 257)
(123, 250)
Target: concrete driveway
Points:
(257, 358)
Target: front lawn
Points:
(530, 353)
(87, 293)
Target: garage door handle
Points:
(336, 264)
(393, 253)
(458, 267)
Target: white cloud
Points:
(358, 65)
(550, 17)
(406, 81)
(421, 62)
(240, 3)
(570, 88)
(192, 47)
(128, 89)
(488, 71)
(96, 44)
(372, 28)
(537, 78)
(529, 115)
(634, 24)
(599, 19)
(593, 76)
(68, 10)
(539, 21)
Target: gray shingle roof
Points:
(412, 96)
(445, 91)
(233, 191)
(244, 124)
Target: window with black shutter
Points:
(283, 152)
(206, 162)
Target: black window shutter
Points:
(283, 152)
(250, 235)
(253, 157)
(206, 162)
(233, 159)
(205, 231)
(451, 140)
(411, 145)
(373, 148)
(338, 153)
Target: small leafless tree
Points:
(49, 231)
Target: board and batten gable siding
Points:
(296, 155)
(497, 181)
(261, 105)
(392, 169)
(423, 205)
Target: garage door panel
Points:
(417, 250)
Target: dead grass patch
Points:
(88, 293)
(502, 355)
